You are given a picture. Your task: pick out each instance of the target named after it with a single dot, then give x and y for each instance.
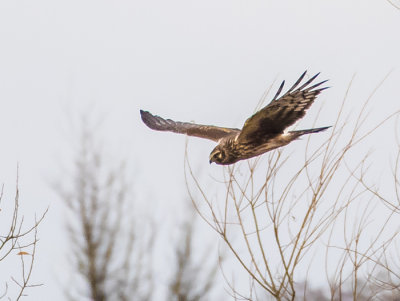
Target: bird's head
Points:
(219, 156)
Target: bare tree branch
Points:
(192, 281)
(275, 214)
(108, 252)
(19, 238)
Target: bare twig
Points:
(109, 254)
(19, 238)
(278, 221)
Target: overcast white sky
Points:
(206, 61)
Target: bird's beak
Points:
(211, 161)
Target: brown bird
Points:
(262, 132)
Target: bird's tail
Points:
(309, 131)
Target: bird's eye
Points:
(221, 155)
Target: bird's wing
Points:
(203, 131)
(281, 112)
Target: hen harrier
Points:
(262, 132)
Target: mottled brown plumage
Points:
(262, 132)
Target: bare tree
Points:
(111, 251)
(277, 214)
(18, 239)
(193, 279)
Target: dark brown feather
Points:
(198, 130)
(280, 113)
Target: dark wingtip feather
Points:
(279, 90)
(297, 82)
(308, 82)
(317, 85)
(144, 115)
(149, 119)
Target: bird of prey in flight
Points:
(262, 132)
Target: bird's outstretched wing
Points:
(281, 112)
(202, 131)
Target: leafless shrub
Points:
(278, 214)
(18, 239)
(111, 250)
